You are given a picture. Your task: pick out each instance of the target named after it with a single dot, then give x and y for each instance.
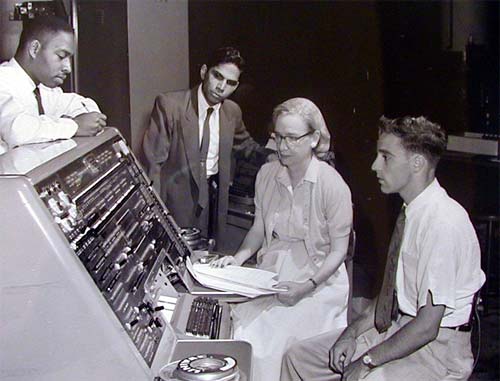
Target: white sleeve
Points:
(72, 104)
(19, 125)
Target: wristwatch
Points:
(368, 361)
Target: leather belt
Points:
(467, 327)
(213, 180)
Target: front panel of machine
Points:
(96, 230)
(119, 232)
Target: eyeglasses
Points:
(290, 140)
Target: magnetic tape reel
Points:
(203, 367)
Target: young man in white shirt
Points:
(426, 335)
(33, 108)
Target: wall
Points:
(9, 30)
(103, 59)
(464, 20)
(158, 56)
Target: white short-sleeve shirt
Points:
(440, 253)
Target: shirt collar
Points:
(203, 104)
(433, 189)
(25, 77)
(311, 174)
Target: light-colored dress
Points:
(299, 225)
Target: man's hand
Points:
(90, 124)
(294, 292)
(355, 371)
(342, 351)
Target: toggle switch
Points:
(54, 206)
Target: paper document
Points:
(246, 281)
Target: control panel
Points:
(119, 231)
(89, 252)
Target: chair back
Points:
(349, 267)
(475, 324)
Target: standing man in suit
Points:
(33, 108)
(189, 143)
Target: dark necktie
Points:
(205, 142)
(39, 101)
(387, 303)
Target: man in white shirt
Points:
(33, 108)
(423, 333)
(189, 142)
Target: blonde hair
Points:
(311, 114)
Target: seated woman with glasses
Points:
(303, 218)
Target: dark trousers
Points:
(213, 204)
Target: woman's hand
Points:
(224, 261)
(295, 291)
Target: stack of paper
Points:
(246, 281)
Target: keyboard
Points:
(198, 317)
(204, 318)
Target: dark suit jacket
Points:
(171, 147)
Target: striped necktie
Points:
(387, 302)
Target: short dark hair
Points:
(418, 135)
(226, 54)
(37, 27)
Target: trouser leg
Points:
(308, 360)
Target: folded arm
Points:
(21, 125)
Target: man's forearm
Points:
(363, 323)
(406, 341)
(420, 331)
